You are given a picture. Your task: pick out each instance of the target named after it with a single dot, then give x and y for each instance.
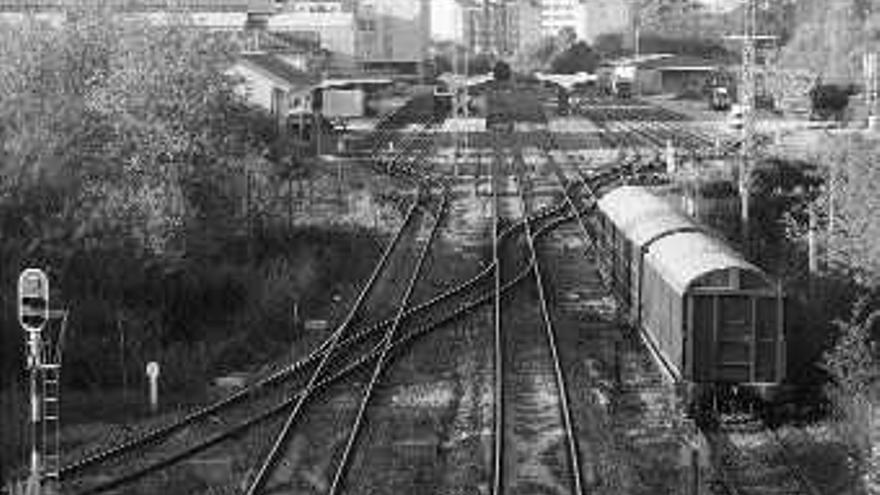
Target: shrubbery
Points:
(123, 149)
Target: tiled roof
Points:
(274, 67)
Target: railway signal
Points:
(153, 377)
(33, 313)
(44, 366)
(33, 300)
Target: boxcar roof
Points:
(642, 216)
(686, 257)
(679, 247)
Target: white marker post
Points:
(153, 378)
(33, 313)
(670, 157)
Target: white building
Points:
(501, 27)
(560, 14)
(271, 82)
(607, 16)
(528, 18)
(368, 34)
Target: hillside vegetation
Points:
(831, 37)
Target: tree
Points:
(109, 131)
(121, 116)
(538, 55)
(854, 367)
(696, 47)
(578, 58)
(851, 205)
(501, 71)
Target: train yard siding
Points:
(430, 427)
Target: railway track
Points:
(458, 301)
(645, 128)
(535, 444)
(748, 457)
(337, 357)
(370, 339)
(751, 457)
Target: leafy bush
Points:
(579, 57)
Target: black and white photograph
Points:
(439, 247)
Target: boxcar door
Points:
(722, 333)
(769, 340)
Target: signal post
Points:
(44, 366)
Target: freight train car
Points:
(713, 320)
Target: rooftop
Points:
(276, 68)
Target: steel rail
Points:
(70, 469)
(273, 456)
(550, 334)
(498, 389)
(726, 471)
(785, 454)
(386, 346)
(463, 309)
(566, 188)
(280, 375)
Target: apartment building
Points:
(363, 34)
(557, 15)
(498, 27)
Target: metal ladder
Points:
(51, 421)
(50, 402)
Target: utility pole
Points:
(870, 74)
(747, 92)
(637, 25)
